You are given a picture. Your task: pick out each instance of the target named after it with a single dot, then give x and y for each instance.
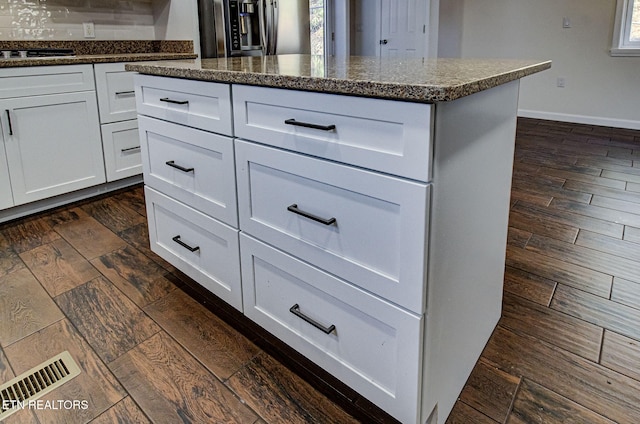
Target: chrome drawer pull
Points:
(9, 120)
(129, 149)
(185, 245)
(294, 208)
(125, 93)
(295, 310)
(177, 102)
(308, 125)
(181, 168)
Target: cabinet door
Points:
(55, 145)
(6, 198)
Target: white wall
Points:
(450, 28)
(600, 89)
(177, 20)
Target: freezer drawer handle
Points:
(295, 310)
(294, 208)
(308, 125)
(9, 120)
(185, 245)
(181, 168)
(130, 149)
(177, 102)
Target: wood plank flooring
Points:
(569, 335)
(566, 350)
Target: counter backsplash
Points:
(62, 19)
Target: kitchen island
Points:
(355, 208)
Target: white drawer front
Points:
(201, 247)
(121, 145)
(38, 80)
(207, 179)
(378, 240)
(384, 135)
(116, 96)
(198, 104)
(374, 347)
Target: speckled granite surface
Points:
(100, 51)
(419, 80)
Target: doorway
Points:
(390, 28)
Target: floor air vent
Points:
(38, 381)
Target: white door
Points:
(403, 31)
(6, 198)
(55, 145)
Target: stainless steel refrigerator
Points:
(259, 27)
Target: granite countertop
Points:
(418, 80)
(98, 58)
(99, 51)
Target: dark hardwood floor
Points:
(566, 350)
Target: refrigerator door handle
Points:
(263, 25)
(274, 26)
(269, 13)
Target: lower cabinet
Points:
(391, 284)
(117, 107)
(52, 144)
(372, 345)
(203, 248)
(121, 144)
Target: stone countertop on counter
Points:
(418, 80)
(97, 58)
(98, 51)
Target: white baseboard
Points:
(580, 119)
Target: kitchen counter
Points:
(355, 208)
(98, 51)
(416, 80)
(98, 58)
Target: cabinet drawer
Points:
(374, 346)
(375, 233)
(198, 104)
(384, 135)
(121, 145)
(39, 80)
(116, 96)
(193, 166)
(201, 247)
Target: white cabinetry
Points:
(372, 233)
(51, 131)
(119, 126)
(190, 180)
(356, 305)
